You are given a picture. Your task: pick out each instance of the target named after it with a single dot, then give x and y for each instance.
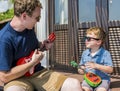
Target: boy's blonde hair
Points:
(99, 32)
(28, 6)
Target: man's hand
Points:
(37, 56)
(48, 44)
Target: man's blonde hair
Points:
(99, 32)
(28, 6)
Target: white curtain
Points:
(42, 25)
(42, 29)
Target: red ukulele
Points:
(27, 59)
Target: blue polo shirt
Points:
(102, 57)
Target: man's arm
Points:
(15, 72)
(20, 70)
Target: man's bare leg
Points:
(71, 84)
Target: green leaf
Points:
(7, 15)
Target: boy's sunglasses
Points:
(89, 38)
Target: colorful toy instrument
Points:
(92, 79)
(27, 59)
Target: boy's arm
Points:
(104, 68)
(108, 65)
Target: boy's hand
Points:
(81, 71)
(90, 65)
(82, 67)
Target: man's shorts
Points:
(42, 81)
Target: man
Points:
(18, 40)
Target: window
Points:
(114, 6)
(87, 11)
(61, 11)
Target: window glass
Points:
(61, 11)
(114, 6)
(87, 12)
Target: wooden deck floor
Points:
(115, 83)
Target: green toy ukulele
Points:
(92, 79)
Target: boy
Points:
(96, 59)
